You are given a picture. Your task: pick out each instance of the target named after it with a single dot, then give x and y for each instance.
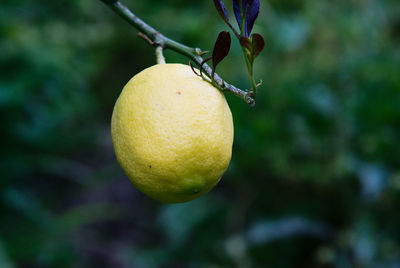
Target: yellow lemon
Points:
(172, 133)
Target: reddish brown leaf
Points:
(221, 48)
(246, 43)
(258, 44)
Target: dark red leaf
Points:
(258, 44)
(221, 48)
(246, 43)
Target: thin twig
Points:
(145, 38)
(164, 42)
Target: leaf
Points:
(222, 10)
(250, 9)
(245, 42)
(224, 14)
(253, 46)
(258, 44)
(221, 48)
(252, 13)
(238, 13)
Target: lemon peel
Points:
(172, 133)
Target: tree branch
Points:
(163, 42)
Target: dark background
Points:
(315, 175)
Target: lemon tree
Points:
(172, 133)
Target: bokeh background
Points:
(315, 175)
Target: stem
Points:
(253, 83)
(163, 42)
(249, 66)
(159, 55)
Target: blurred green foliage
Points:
(315, 175)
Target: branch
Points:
(162, 42)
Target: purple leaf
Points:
(258, 44)
(222, 10)
(238, 14)
(224, 14)
(250, 9)
(251, 15)
(221, 48)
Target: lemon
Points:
(172, 133)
